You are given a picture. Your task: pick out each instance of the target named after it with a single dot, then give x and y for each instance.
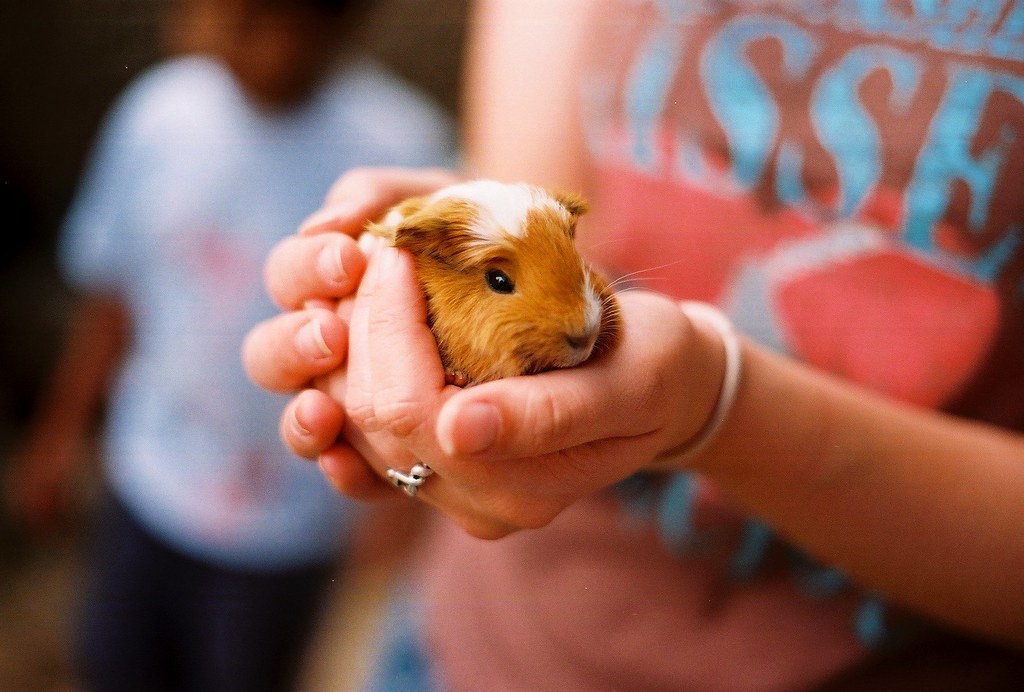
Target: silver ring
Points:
(410, 482)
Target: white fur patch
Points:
(593, 304)
(503, 207)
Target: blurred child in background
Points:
(214, 546)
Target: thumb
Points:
(394, 368)
(534, 415)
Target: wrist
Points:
(717, 347)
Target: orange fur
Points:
(484, 335)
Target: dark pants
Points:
(154, 619)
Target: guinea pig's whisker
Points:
(632, 275)
(608, 303)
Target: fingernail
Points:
(297, 426)
(331, 264)
(370, 244)
(310, 341)
(475, 430)
(388, 257)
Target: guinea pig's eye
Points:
(499, 281)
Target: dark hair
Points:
(339, 6)
(326, 7)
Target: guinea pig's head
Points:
(507, 292)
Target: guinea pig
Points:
(507, 292)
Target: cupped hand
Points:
(313, 275)
(513, 453)
(507, 455)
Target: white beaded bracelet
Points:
(716, 319)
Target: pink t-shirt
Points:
(845, 180)
(595, 601)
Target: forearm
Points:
(922, 506)
(95, 340)
(532, 48)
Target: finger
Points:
(405, 363)
(285, 352)
(358, 393)
(300, 270)
(311, 423)
(351, 476)
(395, 375)
(363, 194)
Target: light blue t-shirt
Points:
(189, 188)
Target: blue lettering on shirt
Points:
(750, 117)
(844, 125)
(744, 105)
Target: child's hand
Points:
(40, 487)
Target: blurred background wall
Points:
(62, 62)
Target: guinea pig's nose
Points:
(581, 342)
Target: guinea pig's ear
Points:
(395, 217)
(572, 202)
(442, 231)
(410, 206)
